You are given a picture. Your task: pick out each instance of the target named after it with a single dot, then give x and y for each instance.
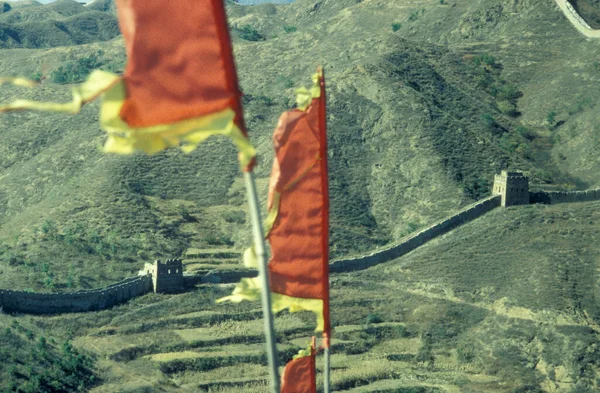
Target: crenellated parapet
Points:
(80, 301)
(513, 187)
(167, 277)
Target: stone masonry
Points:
(510, 188)
(167, 277)
(513, 187)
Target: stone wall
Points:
(219, 277)
(168, 276)
(552, 197)
(39, 303)
(576, 14)
(93, 300)
(415, 240)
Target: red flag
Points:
(179, 86)
(179, 64)
(298, 196)
(298, 220)
(299, 375)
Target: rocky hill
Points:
(427, 100)
(61, 23)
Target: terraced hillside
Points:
(471, 311)
(427, 100)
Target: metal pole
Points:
(259, 246)
(326, 370)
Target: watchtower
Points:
(513, 187)
(167, 277)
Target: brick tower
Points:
(513, 187)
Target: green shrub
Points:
(476, 188)
(489, 120)
(396, 26)
(413, 16)
(374, 318)
(235, 217)
(485, 59)
(49, 229)
(218, 239)
(412, 227)
(185, 214)
(36, 76)
(289, 29)
(425, 355)
(249, 33)
(508, 92)
(14, 257)
(551, 118)
(508, 108)
(78, 70)
(526, 133)
(465, 353)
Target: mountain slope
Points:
(471, 311)
(427, 100)
(64, 22)
(416, 129)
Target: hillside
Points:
(427, 100)
(61, 23)
(418, 119)
(589, 10)
(471, 311)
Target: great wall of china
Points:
(510, 189)
(576, 20)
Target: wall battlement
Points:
(80, 301)
(167, 277)
(553, 197)
(413, 241)
(510, 188)
(513, 187)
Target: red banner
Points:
(299, 374)
(180, 64)
(299, 203)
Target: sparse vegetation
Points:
(249, 33)
(78, 70)
(33, 366)
(417, 128)
(289, 29)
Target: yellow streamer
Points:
(186, 134)
(249, 288)
(19, 81)
(123, 139)
(97, 83)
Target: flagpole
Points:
(257, 230)
(326, 370)
(325, 228)
(259, 246)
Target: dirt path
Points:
(576, 20)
